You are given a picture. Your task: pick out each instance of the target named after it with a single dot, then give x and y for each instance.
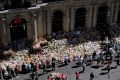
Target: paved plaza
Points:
(69, 70)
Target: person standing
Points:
(32, 67)
(44, 67)
(93, 56)
(53, 64)
(108, 67)
(108, 76)
(77, 75)
(102, 58)
(0, 72)
(117, 61)
(83, 66)
(23, 68)
(62, 77)
(49, 78)
(91, 76)
(98, 61)
(85, 59)
(9, 72)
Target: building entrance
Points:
(80, 17)
(57, 22)
(18, 29)
(102, 21)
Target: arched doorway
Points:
(80, 18)
(57, 22)
(18, 29)
(102, 21)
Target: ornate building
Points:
(36, 18)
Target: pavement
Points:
(69, 70)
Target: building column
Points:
(72, 19)
(40, 25)
(0, 35)
(4, 33)
(30, 31)
(116, 13)
(49, 27)
(8, 35)
(44, 20)
(30, 27)
(66, 20)
(35, 27)
(94, 19)
(89, 18)
(112, 7)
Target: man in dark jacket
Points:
(53, 64)
(44, 68)
(9, 76)
(91, 76)
(23, 68)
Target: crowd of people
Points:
(80, 47)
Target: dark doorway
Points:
(18, 29)
(102, 21)
(80, 17)
(57, 22)
(118, 19)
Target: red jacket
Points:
(77, 74)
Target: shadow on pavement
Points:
(75, 66)
(49, 71)
(104, 69)
(95, 67)
(88, 64)
(62, 65)
(103, 73)
(81, 72)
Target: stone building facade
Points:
(43, 19)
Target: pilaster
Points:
(35, 27)
(89, 18)
(116, 12)
(30, 31)
(94, 21)
(72, 19)
(66, 21)
(112, 9)
(40, 25)
(4, 32)
(49, 28)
